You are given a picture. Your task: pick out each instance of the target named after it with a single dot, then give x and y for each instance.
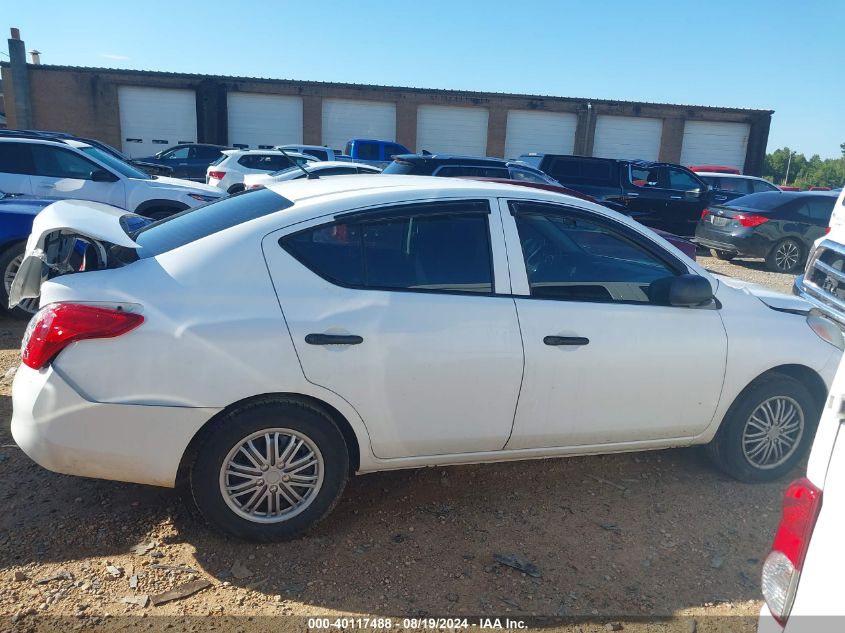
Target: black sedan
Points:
(777, 226)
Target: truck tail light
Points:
(782, 568)
(217, 175)
(58, 325)
(750, 220)
(705, 213)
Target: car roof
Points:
(325, 164)
(274, 152)
(286, 145)
(453, 158)
(722, 174)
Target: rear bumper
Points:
(737, 241)
(63, 432)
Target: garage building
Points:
(142, 112)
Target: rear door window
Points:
(436, 247)
(15, 158)
(736, 185)
(761, 185)
(645, 177)
(55, 162)
(471, 171)
(319, 154)
(587, 170)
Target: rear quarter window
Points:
(194, 224)
(580, 170)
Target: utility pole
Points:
(788, 163)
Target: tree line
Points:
(804, 172)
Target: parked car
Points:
(800, 574)
(685, 246)
(366, 323)
(718, 169)
(227, 173)
(660, 195)
(320, 152)
(378, 153)
(187, 160)
(777, 226)
(823, 281)
(730, 186)
(453, 166)
(319, 169)
(71, 169)
(16, 216)
(149, 168)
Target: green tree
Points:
(804, 173)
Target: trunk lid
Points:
(71, 236)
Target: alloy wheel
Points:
(272, 475)
(786, 256)
(773, 432)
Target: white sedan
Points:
(271, 344)
(310, 170)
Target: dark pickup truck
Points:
(660, 195)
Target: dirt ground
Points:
(614, 539)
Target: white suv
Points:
(72, 169)
(227, 172)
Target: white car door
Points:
(63, 173)
(604, 365)
(14, 168)
(394, 310)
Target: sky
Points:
(785, 56)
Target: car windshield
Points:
(400, 167)
(198, 222)
(286, 170)
(115, 163)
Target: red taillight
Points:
(782, 568)
(827, 230)
(705, 213)
(56, 326)
(801, 505)
(750, 220)
(251, 187)
(217, 175)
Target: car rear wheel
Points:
(270, 470)
(785, 256)
(723, 255)
(10, 261)
(767, 430)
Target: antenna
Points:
(307, 173)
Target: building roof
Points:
(471, 94)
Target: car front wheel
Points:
(723, 255)
(270, 470)
(767, 430)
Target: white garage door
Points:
(260, 121)
(153, 119)
(715, 143)
(345, 119)
(548, 132)
(452, 130)
(627, 137)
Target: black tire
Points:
(257, 416)
(725, 256)
(786, 256)
(10, 260)
(236, 188)
(726, 449)
(158, 213)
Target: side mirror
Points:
(683, 290)
(102, 175)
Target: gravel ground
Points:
(613, 539)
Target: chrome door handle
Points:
(565, 340)
(333, 339)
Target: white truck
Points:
(823, 281)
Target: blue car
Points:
(16, 216)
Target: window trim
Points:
(440, 168)
(669, 260)
(397, 211)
